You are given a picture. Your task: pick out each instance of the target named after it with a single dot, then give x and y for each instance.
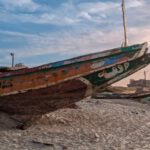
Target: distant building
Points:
(139, 83)
(18, 66)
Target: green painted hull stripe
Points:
(96, 80)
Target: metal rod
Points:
(124, 23)
(12, 55)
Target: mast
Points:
(124, 23)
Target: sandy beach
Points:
(95, 125)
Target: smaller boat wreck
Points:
(29, 93)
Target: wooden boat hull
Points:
(16, 82)
(38, 102)
(40, 93)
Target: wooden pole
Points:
(124, 24)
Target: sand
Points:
(95, 125)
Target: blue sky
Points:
(42, 31)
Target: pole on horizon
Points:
(124, 23)
(12, 55)
(145, 78)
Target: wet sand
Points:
(95, 125)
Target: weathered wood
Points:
(55, 73)
(30, 93)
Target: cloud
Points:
(76, 43)
(98, 7)
(85, 15)
(73, 42)
(16, 34)
(68, 13)
(27, 5)
(135, 3)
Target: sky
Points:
(43, 31)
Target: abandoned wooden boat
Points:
(36, 91)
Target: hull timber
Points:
(56, 73)
(37, 91)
